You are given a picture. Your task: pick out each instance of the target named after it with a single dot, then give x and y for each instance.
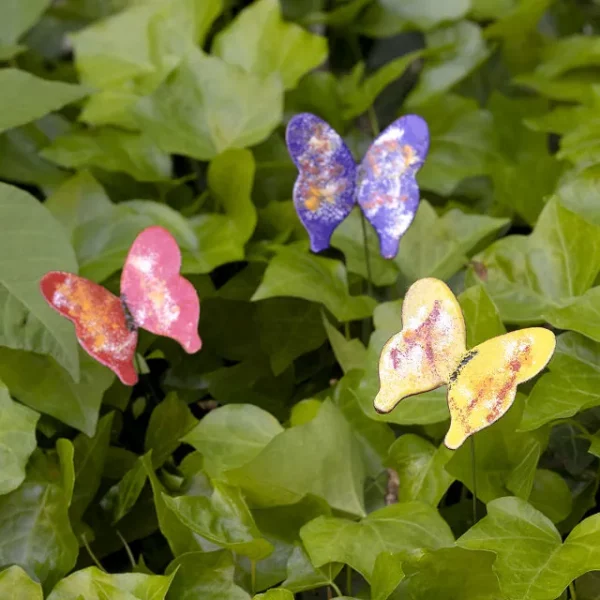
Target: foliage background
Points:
(259, 464)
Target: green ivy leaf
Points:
(456, 50)
(52, 391)
(231, 436)
(461, 142)
(481, 316)
(169, 422)
(532, 563)
(78, 200)
(399, 527)
(20, 160)
(35, 532)
(538, 277)
(260, 42)
(569, 387)
(142, 43)
(449, 573)
(206, 575)
(483, 10)
(15, 19)
(180, 539)
(113, 150)
(27, 98)
(17, 440)
(387, 574)
(524, 173)
(293, 272)
(230, 179)
(577, 191)
(428, 13)
(90, 456)
(302, 575)
(186, 113)
(16, 584)
(280, 525)
(550, 494)
(350, 353)
(320, 458)
(121, 497)
(421, 468)
(33, 243)
(223, 519)
(94, 584)
(438, 246)
(572, 52)
(288, 328)
(375, 438)
(358, 93)
(348, 237)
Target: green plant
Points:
(258, 467)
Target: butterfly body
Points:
(329, 183)
(430, 351)
(154, 296)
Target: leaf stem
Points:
(92, 555)
(572, 591)
(474, 475)
(253, 576)
(337, 590)
(127, 549)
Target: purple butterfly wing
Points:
(324, 190)
(387, 189)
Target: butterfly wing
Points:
(100, 321)
(324, 189)
(387, 189)
(483, 388)
(159, 299)
(422, 356)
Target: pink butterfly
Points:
(154, 296)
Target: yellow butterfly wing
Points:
(483, 387)
(423, 355)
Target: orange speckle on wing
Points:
(82, 307)
(312, 203)
(408, 153)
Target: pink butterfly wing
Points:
(158, 298)
(100, 321)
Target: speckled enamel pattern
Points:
(153, 296)
(324, 191)
(100, 323)
(430, 351)
(422, 356)
(329, 182)
(387, 190)
(484, 386)
(159, 299)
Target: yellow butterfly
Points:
(431, 351)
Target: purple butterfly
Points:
(330, 183)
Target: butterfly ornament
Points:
(431, 351)
(154, 296)
(329, 183)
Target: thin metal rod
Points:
(474, 475)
